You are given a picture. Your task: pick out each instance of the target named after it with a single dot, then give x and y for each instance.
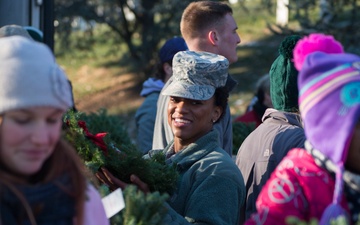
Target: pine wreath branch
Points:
(115, 152)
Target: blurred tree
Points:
(338, 18)
(141, 24)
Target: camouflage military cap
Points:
(196, 75)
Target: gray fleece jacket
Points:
(210, 189)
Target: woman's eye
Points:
(172, 99)
(53, 120)
(196, 102)
(21, 120)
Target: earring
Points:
(213, 121)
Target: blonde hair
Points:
(199, 16)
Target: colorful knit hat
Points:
(312, 43)
(329, 100)
(283, 77)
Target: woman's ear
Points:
(217, 113)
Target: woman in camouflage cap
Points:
(211, 188)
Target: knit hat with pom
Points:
(329, 100)
(283, 77)
(29, 76)
(315, 42)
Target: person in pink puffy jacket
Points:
(321, 181)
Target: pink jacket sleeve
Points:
(282, 196)
(297, 187)
(94, 213)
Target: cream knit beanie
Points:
(29, 76)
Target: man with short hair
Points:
(206, 26)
